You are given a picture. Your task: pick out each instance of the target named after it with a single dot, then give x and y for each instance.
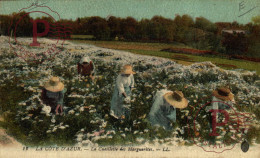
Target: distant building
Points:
(233, 31)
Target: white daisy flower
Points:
(71, 112)
(81, 109)
(135, 132)
(62, 127)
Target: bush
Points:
(87, 118)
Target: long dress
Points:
(123, 84)
(162, 113)
(221, 105)
(52, 99)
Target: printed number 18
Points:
(25, 148)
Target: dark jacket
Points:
(52, 99)
(85, 70)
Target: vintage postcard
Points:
(129, 78)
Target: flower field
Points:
(87, 120)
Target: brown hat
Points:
(176, 99)
(127, 69)
(54, 85)
(223, 93)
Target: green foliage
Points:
(200, 34)
(251, 78)
(15, 95)
(253, 133)
(257, 113)
(30, 126)
(205, 24)
(236, 43)
(256, 20)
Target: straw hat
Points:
(54, 85)
(176, 99)
(85, 59)
(127, 69)
(223, 93)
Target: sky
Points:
(241, 11)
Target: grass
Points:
(121, 45)
(33, 133)
(81, 37)
(153, 49)
(253, 50)
(222, 62)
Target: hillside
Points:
(87, 120)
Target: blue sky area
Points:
(214, 10)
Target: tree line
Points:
(198, 33)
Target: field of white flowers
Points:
(87, 105)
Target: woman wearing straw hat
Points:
(122, 93)
(86, 67)
(222, 98)
(53, 94)
(163, 111)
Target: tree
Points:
(53, 29)
(22, 24)
(179, 33)
(5, 22)
(142, 30)
(222, 25)
(235, 25)
(236, 43)
(256, 20)
(77, 27)
(205, 24)
(128, 28)
(164, 28)
(187, 21)
(184, 25)
(85, 28)
(114, 25)
(98, 27)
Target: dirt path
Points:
(6, 140)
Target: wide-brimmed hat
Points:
(176, 99)
(127, 69)
(85, 59)
(54, 85)
(223, 93)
